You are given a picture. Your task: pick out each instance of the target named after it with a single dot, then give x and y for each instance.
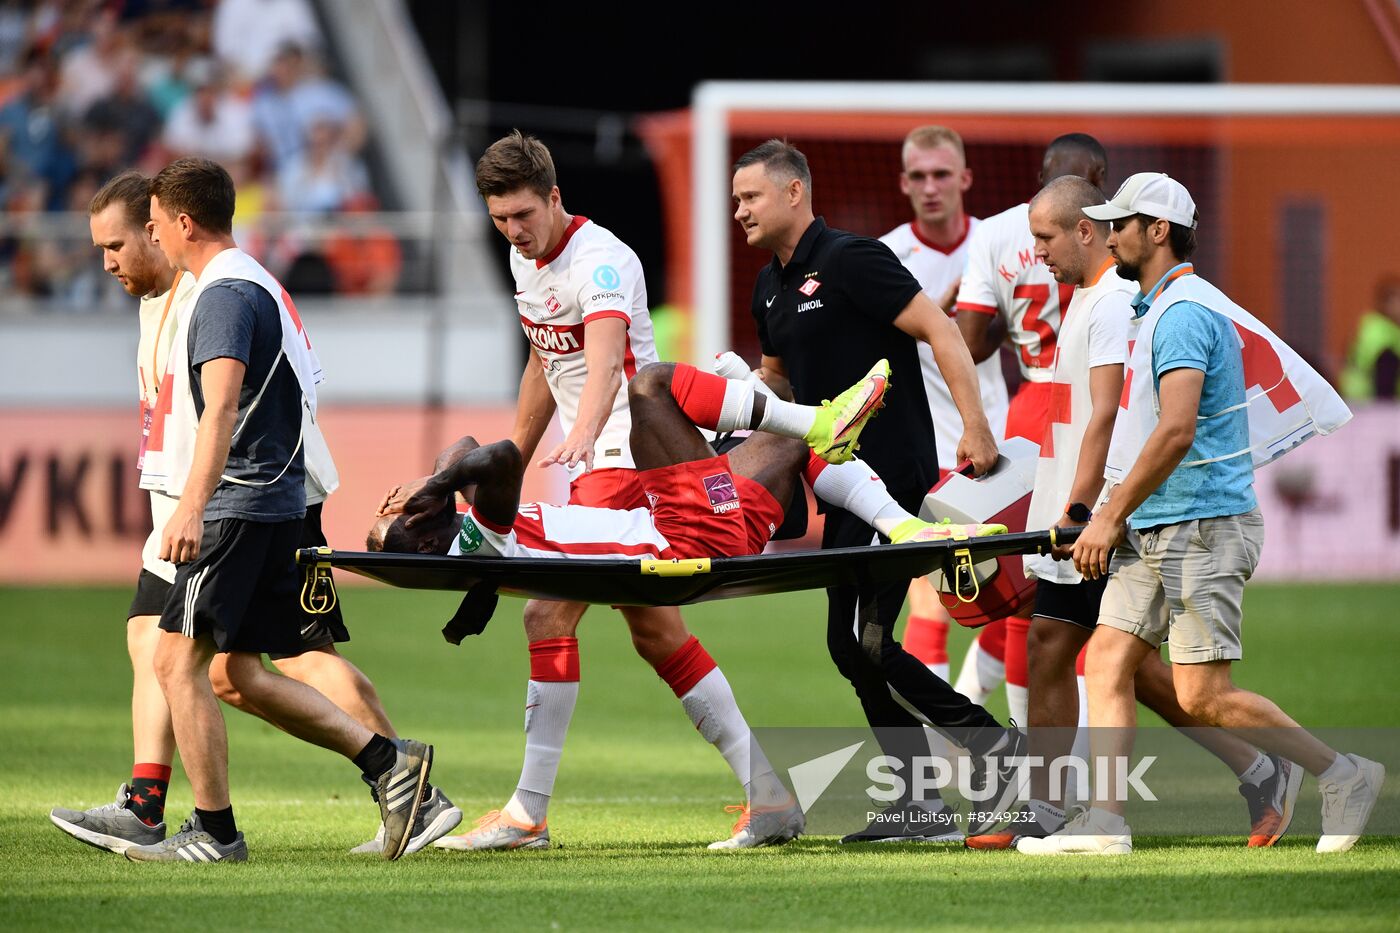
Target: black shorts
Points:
(243, 590)
(1075, 603)
(151, 596)
(318, 630)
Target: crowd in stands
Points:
(89, 88)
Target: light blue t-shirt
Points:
(1191, 336)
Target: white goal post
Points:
(714, 103)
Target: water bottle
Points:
(731, 365)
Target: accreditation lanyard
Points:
(150, 394)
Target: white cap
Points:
(1150, 193)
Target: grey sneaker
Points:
(1347, 807)
(400, 792)
(763, 826)
(496, 830)
(436, 818)
(191, 844)
(111, 826)
(998, 782)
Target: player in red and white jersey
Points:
(702, 505)
(1007, 291)
(583, 305)
(587, 277)
(933, 247)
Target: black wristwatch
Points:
(1078, 512)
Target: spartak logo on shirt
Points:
(552, 305)
(809, 287)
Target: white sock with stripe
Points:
(550, 698)
(856, 488)
(709, 701)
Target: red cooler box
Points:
(1002, 495)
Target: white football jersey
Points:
(590, 275)
(1004, 277)
(563, 532)
(936, 269)
(1095, 333)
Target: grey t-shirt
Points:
(236, 319)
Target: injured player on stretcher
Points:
(702, 504)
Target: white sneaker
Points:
(1081, 836)
(763, 826)
(1347, 806)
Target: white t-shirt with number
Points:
(590, 275)
(1095, 333)
(936, 269)
(1004, 277)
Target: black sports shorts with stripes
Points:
(318, 630)
(242, 590)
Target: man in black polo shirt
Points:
(830, 304)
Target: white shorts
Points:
(162, 507)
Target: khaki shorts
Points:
(1184, 584)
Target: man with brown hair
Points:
(583, 304)
(118, 217)
(933, 247)
(241, 371)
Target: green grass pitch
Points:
(639, 794)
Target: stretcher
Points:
(654, 582)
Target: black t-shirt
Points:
(236, 319)
(829, 316)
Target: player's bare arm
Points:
(604, 346)
(949, 299)
(221, 379)
(534, 407)
(922, 319)
(982, 333)
(1180, 397)
(397, 497)
(772, 371)
(1105, 389)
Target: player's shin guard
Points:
(549, 705)
(1017, 631)
(709, 702)
(857, 489)
(720, 404)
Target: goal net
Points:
(1296, 185)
